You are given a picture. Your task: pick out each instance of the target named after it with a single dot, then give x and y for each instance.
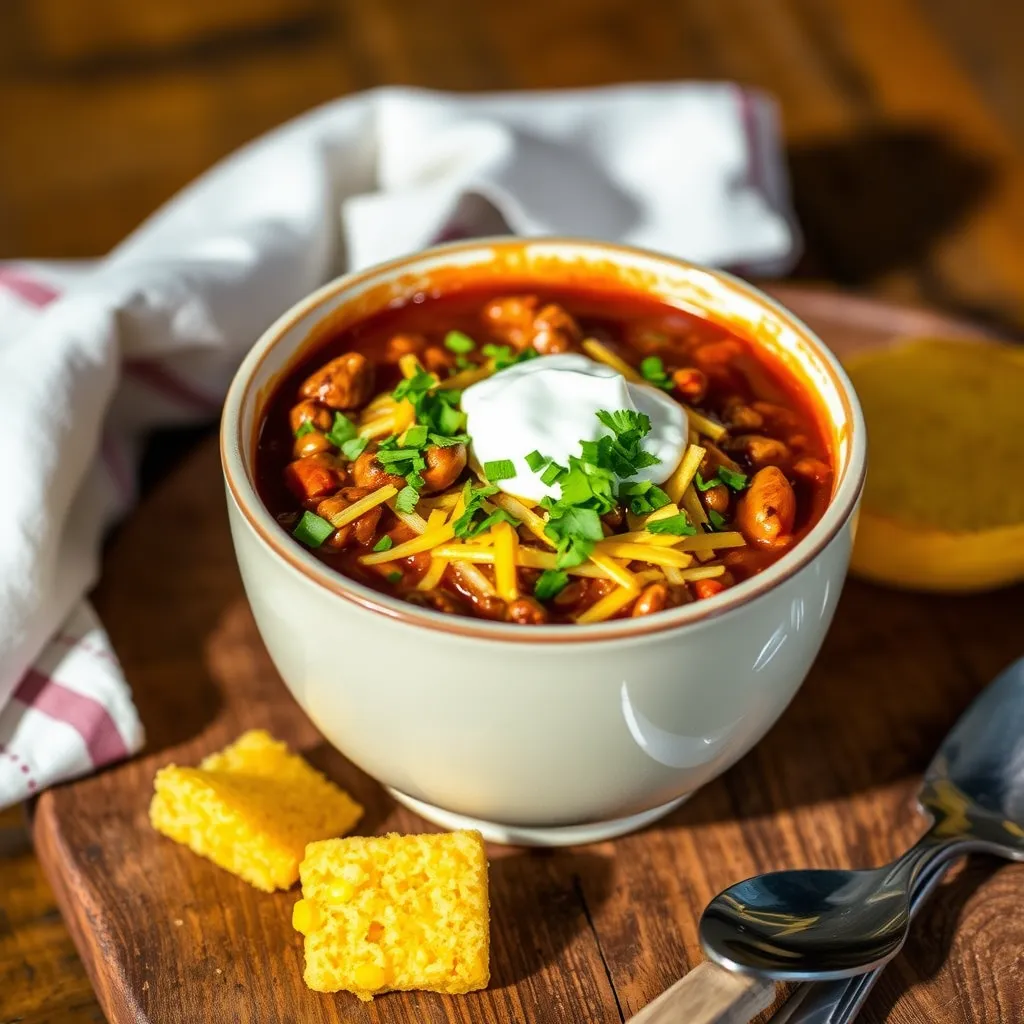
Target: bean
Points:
(404, 345)
(444, 465)
(691, 383)
(717, 499)
(766, 511)
(310, 444)
(527, 611)
(707, 588)
(307, 411)
(653, 598)
(368, 472)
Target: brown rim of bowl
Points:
(846, 491)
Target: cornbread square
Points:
(395, 913)
(251, 808)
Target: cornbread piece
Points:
(943, 506)
(395, 912)
(251, 808)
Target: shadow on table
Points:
(878, 199)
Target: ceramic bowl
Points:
(552, 734)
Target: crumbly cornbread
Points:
(251, 808)
(395, 913)
(943, 508)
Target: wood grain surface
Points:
(904, 126)
(584, 935)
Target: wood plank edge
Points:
(85, 922)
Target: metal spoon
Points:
(822, 925)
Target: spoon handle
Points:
(709, 994)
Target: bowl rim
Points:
(242, 491)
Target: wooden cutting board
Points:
(589, 934)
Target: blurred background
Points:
(904, 119)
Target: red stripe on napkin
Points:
(85, 715)
(33, 291)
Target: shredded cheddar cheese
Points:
(410, 366)
(711, 541)
(602, 354)
(642, 553)
(684, 473)
(433, 575)
(608, 605)
(356, 509)
(505, 545)
(424, 542)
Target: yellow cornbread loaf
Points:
(944, 505)
(395, 913)
(251, 808)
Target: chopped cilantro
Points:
(459, 343)
(653, 371)
(724, 475)
(407, 499)
(470, 523)
(716, 519)
(575, 532)
(642, 497)
(499, 469)
(462, 363)
(312, 530)
(342, 430)
(305, 427)
(384, 544)
(414, 437)
(394, 577)
(354, 447)
(550, 583)
(503, 356)
(732, 479)
(679, 525)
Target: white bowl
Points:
(550, 734)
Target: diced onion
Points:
(474, 579)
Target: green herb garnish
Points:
(641, 497)
(354, 447)
(679, 525)
(312, 530)
(499, 469)
(414, 437)
(575, 531)
(552, 473)
(703, 485)
(394, 577)
(504, 356)
(305, 427)
(536, 461)
(550, 583)
(384, 544)
(458, 342)
(716, 519)
(732, 479)
(342, 430)
(652, 369)
(406, 499)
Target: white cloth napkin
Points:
(93, 356)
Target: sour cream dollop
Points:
(550, 404)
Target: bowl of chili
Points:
(543, 534)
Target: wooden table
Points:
(904, 123)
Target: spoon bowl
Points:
(816, 925)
